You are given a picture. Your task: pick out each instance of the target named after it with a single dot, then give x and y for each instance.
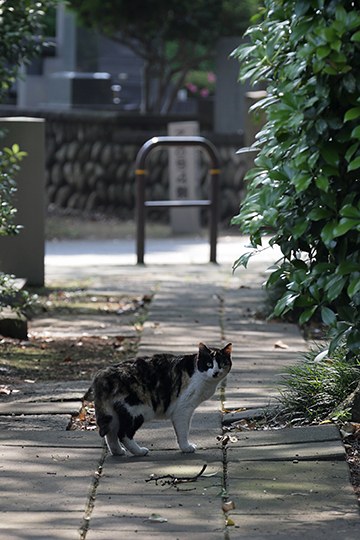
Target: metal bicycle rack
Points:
(141, 175)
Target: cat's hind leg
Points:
(134, 448)
(112, 439)
(114, 446)
(108, 428)
(128, 425)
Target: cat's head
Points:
(214, 363)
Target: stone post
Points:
(184, 179)
(23, 254)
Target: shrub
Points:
(9, 165)
(304, 191)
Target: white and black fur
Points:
(159, 386)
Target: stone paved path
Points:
(290, 483)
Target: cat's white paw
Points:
(114, 447)
(189, 448)
(117, 451)
(143, 451)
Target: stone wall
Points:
(90, 159)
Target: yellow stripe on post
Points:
(140, 171)
(215, 171)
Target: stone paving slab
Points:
(52, 439)
(49, 407)
(44, 488)
(292, 500)
(309, 434)
(289, 452)
(311, 525)
(260, 359)
(159, 533)
(28, 532)
(48, 391)
(248, 396)
(25, 474)
(125, 501)
(42, 422)
(89, 325)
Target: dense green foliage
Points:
(304, 192)
(172, 37)
(9, 165)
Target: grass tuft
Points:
(314, 388)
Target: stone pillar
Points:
(23, 254)
(230, 93)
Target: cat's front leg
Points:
(181, 421)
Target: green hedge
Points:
(304, 191)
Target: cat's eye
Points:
(209, 365)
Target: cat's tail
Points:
(89, 394)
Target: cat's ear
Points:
(203, 349)
(227, 349)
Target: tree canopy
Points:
(20, 31)
(171, 37)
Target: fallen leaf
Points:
(241, 409)
(350, 429)
(5, 390)
(228, 505)
(229, 522)
(280, 345)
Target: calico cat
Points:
(159, 386)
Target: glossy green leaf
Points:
(243, 260)
(334, 287)
(328, 316)
(299, 229)
(316, 214)
(350, 211)
(345, 225)
(352, 114)
(351, 151)
(353, 340)
(301, 182)
(355, 134)
(285, 303)
(354, 164)
(330, 154)
(327, 233)
(354, 286)
(307, 314)
(347, 267)
(322, 182)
